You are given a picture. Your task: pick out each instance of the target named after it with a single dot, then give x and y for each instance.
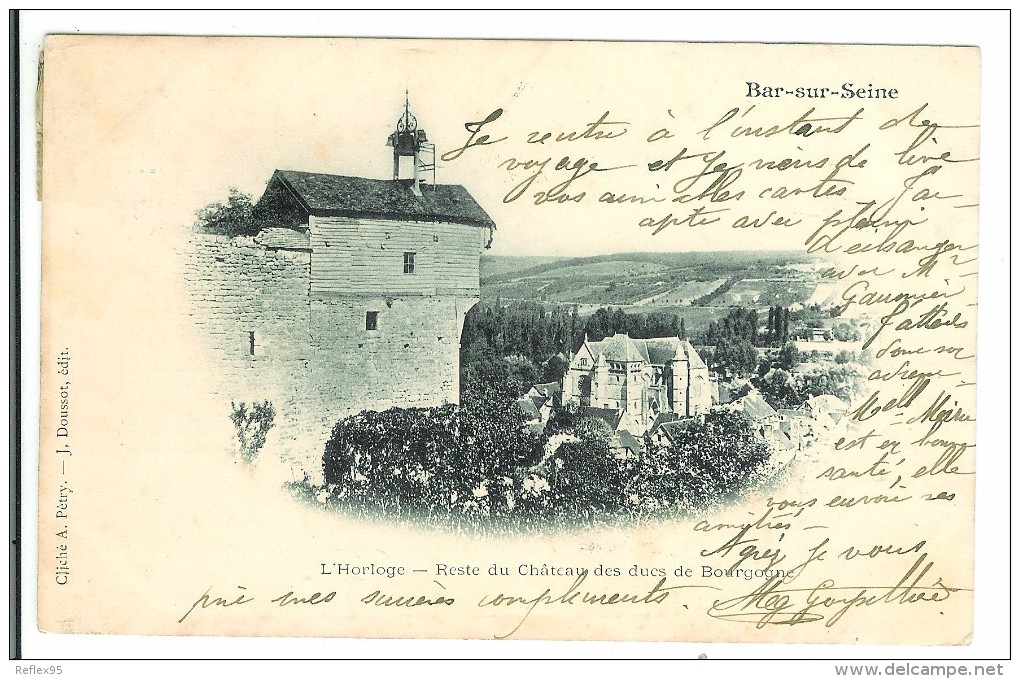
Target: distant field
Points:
(768, 292)
(498, 265)
(644, 282)
(620, 268)
(682, 294)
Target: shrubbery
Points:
(477, 465)
(252, 424)
(233, 216)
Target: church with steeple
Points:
(640, 379)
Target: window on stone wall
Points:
(371, 320)
(251, 343)
(408, 262)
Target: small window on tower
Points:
(251, 343)
(408, 262)
(371, 320)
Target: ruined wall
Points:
(313, 357)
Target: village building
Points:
(351, 296)
(796, 425)
(548, 393)
(639, 379)
(827, 411)
(671, 432)
(625, 446)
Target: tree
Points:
(789, 357)
(401, 460)
(230, 217)
(554, 369)
(592, 429)
(521, 373)
(587, 479)
(843, 381)
(734, 356)
(419, 461)
(709, 460)
(844, 332)
(844, 356)
(252, 425)
(779, 389)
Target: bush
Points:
(252, 425)
(789, 357)
(713, 459)
(230, 217)
(779, 388)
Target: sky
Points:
(167, 129)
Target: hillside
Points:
(498, 265)
(654, 280)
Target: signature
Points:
(773, 604)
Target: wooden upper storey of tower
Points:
(292, 197)
(376, 237)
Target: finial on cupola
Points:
(408, 140)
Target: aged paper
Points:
(795, 463)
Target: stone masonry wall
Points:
(314, 359)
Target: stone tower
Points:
(352, 295)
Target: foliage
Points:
(843, 381)
(479, 464)
(606, 323)
(738, 325)
(554, 369)
(521, 373)
(777, 331)
(725, 287)
(587, 478)
(735, 356)
(252, 425)
(230, 217)
(845, 332)
(712, 459)
(538, 332)
(808, 317)
(419, 461)
(779, 388)
(788, 357)
(592, 429)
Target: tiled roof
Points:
(283, 239)
(527, 407)
(547, 389)
(629, 441)
(608, 415)
(619, 347)
(539, 401)
(726, 392)
(656, 350)
(673, 430)
(660, 350)
(755, 407)
(660, 419)
(692, 355)
(827, 403)
(328, 195)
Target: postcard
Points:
(508, 339)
